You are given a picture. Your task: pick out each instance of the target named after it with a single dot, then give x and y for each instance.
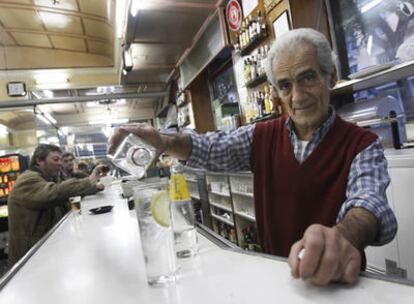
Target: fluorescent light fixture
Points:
(52, 79)
(53, 140)
(369, 45)
(4, 131)
(48, 93)
(97, 122)
(137, 5)
(127, 58)
(370, 5)
(40, 133)
(120, 17)
(108, 122)
(92, 104)
(119, 121)
(50, 118)
(42, 118)
(65, 130)
(55, 20)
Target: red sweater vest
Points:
(290, 196)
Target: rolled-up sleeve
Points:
(222, 151)
(367, 183)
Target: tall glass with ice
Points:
(157, 238)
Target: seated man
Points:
(319, 182)
(37, 201)
(68, 167)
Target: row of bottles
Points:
(249, 240)
(254, 64)
(259, 104)
(251, 28)
(225, 231)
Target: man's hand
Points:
(177, 145)
(97, 173)
(328, 257)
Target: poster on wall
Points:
(249, 6)
(281, 24)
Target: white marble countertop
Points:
(98, 259)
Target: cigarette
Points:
(301, 254)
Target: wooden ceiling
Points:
(43, 34)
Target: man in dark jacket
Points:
(38, 200)
(68, 167)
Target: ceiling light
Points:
(42, 118)
(370, 5)
(127, 58)
(48, 93)
(55, 20)
(120, 17)
(137, 5)
(4, 131)
(50, 118)
(52, 79)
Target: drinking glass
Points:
(75, 203)
(157, 239)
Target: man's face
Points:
(303, 87)
(52, 165)
(68, 165)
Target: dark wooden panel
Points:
(200, 99)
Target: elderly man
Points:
(37, 201)
(319, 182)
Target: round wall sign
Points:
(233, 15)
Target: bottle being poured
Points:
(134, 156)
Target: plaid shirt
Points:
(367, 181)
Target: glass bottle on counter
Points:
(182, 213)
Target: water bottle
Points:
(182, 214)
(133, 156)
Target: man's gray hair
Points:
(291, 40)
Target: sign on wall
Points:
(249, 6)
(233, 15)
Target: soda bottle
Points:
(182, 213)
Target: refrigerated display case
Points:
(11, 166)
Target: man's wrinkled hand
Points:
(328, 257)
(144, 131)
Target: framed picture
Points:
(281, 24)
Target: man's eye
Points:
(284, 86)
(309, 77)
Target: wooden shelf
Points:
(219, 193)
(269, 117)
(195, 197)
(191, 180)
(243, 193)
(246, 216)
(222, 219)
(221, 207)
(397, 72)
(253, 44)
(257, 81)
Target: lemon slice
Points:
(160, 208)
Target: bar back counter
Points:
(98, 259)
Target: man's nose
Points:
(298, 94)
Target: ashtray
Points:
(102, 209)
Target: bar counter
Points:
(98, 259)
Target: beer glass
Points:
(157, 239)
(75, 203)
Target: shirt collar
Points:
(321, 131)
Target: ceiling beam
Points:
(72, 99)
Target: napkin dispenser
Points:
(383, 115)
